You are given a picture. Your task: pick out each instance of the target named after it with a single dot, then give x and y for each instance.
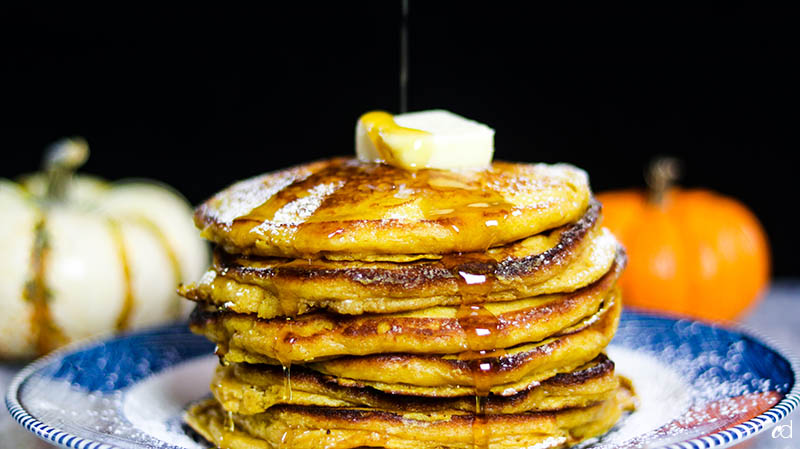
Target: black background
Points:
(200, 97)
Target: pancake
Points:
(356, 209)
(435, 330)
(289, 288)
(509, 371)
(439, 376)
(301, 427)
(357, 304)
(368, 290)
(250, 389)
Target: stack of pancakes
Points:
(357, 304)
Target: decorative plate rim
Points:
(734, 435)
(55, 435)
(717, 440)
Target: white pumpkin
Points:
(81, 257)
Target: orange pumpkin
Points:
(691, 252)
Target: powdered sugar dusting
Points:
(152, 410)
(683, 393)
(244, 196)
(208, 277)
(296, 212)
(565, 172)
(155, 406)
(663, 394)
(547, 443)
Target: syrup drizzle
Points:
(220, 352)
(481, 329)
(346, 190)
(459, 197)
(288, 301)
(287, 383)
(282, 345)
(229, 423)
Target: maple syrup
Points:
(288, 301)
(375, 192)
(229, 424)
(287, 383)
(481, 328)
(282, 346)
(220, 352)
(417, 143)
(368, 192)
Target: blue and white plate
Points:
(700, 386)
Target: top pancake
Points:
(362, 210)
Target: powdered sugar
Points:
(684, 394)
(155, 406)
(147, 414)
(244, 196)
(296, 212)
(662, 392)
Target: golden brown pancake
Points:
(539, 265)
(439, 376)
(249, 389)
(357, 209)
(301, 427)
(435, 330)
(360, 305)
(510, 370)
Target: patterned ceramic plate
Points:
(700, 387)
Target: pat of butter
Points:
(427, 139)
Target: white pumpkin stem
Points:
(660, 177)
(61, 160)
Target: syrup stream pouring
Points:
(404, 59)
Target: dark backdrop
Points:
(200, 97)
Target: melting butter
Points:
(428, 139)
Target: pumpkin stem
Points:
(660, 177)
(61, 159)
